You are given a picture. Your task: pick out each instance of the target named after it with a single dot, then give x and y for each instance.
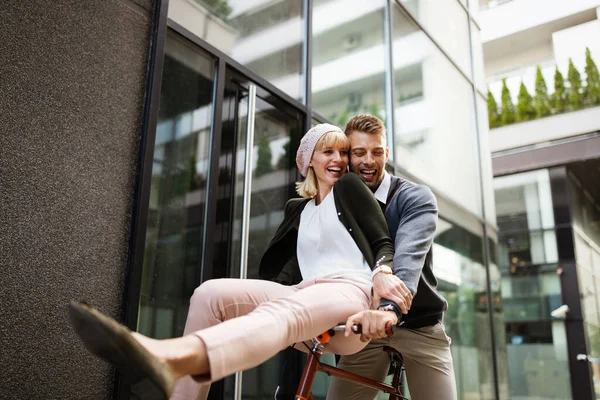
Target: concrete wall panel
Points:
(72, 84)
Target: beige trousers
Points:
(427, 359)
(245, 322)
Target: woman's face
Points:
(329, 164)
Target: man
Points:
(411, 213)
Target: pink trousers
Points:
(245, 322)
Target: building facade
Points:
(540, 56)
(242, 81)
(150, 146)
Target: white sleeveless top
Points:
(325, 249)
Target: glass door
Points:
(257, 173)
(175, 224)
(224, 167)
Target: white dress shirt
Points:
(325, 249)
(381, 193)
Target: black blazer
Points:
(359, 212)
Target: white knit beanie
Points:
(308, 144)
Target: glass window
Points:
(175, 231)
(277, 132)
(530, 295)
(459, 267)
(476, 5)
(434, 116)
(478, 68)
(585, 210)
(498, 315)
(531, 288)
(537, 354)
(586, 235)
(593, 335)
(276, 137)
(486, 161)
(525, 214)
(348, 74)
(528, 249)
(266, 37)
(536, 344)
(524, 201)
(447, 22)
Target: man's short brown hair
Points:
(365, 123)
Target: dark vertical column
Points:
(139, 220)
(72, 93)
(144, 179)
(580, 371)
(213, 176)
(389, 74)
(307, 57)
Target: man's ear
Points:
(387, 152)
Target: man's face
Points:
(368, 155)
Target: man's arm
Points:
(417, 213)
(418, 220)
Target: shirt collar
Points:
(381, 193)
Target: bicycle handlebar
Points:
(390, 329)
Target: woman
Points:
(321, 261)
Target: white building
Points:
(417, 64)
(547, 196)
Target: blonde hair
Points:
(308, 187)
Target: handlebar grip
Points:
(390, 329)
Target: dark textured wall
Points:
(72, 83)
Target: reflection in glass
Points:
(276, 138)
(536, 345)
(459, 267)
(498, 315)
(266, 37)
(277, 132)
(525, 216)
(174, 237)
(348, 59)
(475, 6)
(434, 116)
(531, 288)
(486, 161)
(586, 235)
(478, 70)
(446, 21)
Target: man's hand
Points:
(390, 287)
(373, 323)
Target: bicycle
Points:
(313, 365)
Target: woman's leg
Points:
(247, 341)
(213, 302)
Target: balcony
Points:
(512, 17)
(545, 130)
(568, 112)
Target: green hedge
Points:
(571, 97)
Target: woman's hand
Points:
(373, 323)
(390, 287)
